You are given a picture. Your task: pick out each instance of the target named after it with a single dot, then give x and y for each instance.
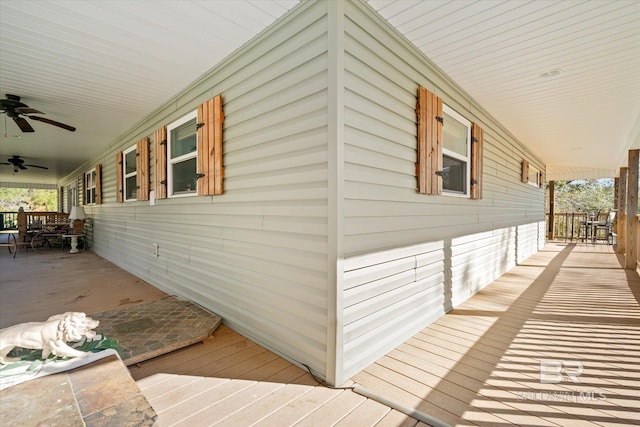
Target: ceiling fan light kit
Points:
(17, 111)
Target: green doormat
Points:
(148, 330)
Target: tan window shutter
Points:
(98, 184)
(210, 170)
(429, 112)
(142, 169)
(160, 165)
(119, 190)
(84, 188)
(477, 147)
(525, 172)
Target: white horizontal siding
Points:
(387, 294)
(387, 300)
(256, 255)
(529, 239)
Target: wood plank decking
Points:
(478, 365)
(228, 380)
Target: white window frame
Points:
(536, 175)
(72, 196)
(90, 187)
(126, 175)
(171, 161)
(467, 159)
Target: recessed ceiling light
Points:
(551, 73)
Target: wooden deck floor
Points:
(228, 380)
(478, 365)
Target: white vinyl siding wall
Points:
(410, 257)
(320, 247)
(256, 255)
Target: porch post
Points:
(22, 225)
(616, 203)
(631, 255)
(622, 212)
(552, 194)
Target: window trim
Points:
(538, 174)
(467, 159)
(193, 115)
(90, 175)
(125, 175)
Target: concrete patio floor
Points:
(570, 307)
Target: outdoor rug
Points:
(148, 330)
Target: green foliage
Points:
(595, 195)
(32, 200)
(31, 360)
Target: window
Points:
(72, 196)
(188, 153)
(449, 150)
(456, 150)
(531, 175)
(534, 176)
(129, 172)
(90, 187)
(182, 156)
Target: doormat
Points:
(157, 327)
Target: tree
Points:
(30, 199)
(594, 195)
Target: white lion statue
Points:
(50, 336)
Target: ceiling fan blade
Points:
(53, 122)
(21, 166)
(36, 166)
(27, 110)
(23, 124)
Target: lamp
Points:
(77, 217)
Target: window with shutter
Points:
(450, 150)
(194, 152)
(142, 169)
(531, 175)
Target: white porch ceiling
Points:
(102, 66)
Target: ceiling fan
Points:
(15, 109)
(18, 164)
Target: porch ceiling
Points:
(103, 66)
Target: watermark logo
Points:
(559, 371)
(555, 371)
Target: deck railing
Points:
(28, 221)
(570, 225)
(32, 220)
(8, 220)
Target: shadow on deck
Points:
(555, 341)
(570, 307)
